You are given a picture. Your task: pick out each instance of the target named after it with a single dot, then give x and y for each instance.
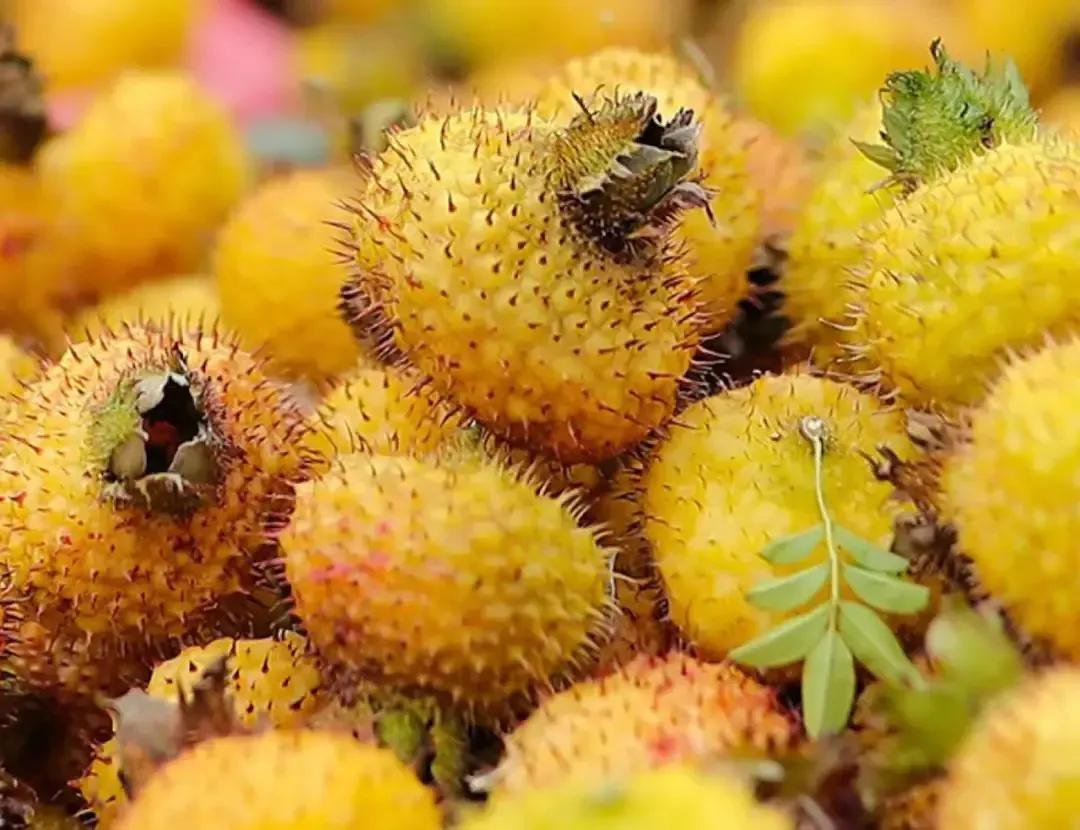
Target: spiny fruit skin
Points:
(1012, 493)
(381, 410)
(494, 247)
(737, 474)
(189, 301)
(285, 780)
(780, 170)
(76, 44)
(1019, 766)
(797, 83)
(674, 796)
(270, 683)
(144, 178)
(278, 278)
(17, 367)
(824, 246)
(971, 265)
(653, 711)
(106, 556)
(449, 575)
(720, 245)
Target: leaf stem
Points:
(813, 429)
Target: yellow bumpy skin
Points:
(824, 246)
(289, 780)
(970, 266)
(1019, 766)
(138, 478)
(141, 182)
(526, 269)
(269, 683)
(1012, 493)
(188, 301)
(675, 796)
(737, 475)
(17, 368)
(278, 277)
(720, 242)
(450, 575)
(653, 711)
(92, 40)
(381, 410)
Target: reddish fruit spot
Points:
(664, 748)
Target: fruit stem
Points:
(814, 430)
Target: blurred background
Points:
(297, 72)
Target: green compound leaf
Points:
(791, 549)
(828, 686)
(787, 592)
(787, 643)
(869, 555)
(874, 644)
(885, 592)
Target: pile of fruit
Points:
(614, 415)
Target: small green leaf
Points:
(886, 592)
(874, 644)
(828, 686)
(787, 592)
(868, 554)
(788, 642)
(791, 549)
(878, 153)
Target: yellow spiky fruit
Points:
(17, 367)
(449, 575)
(678, 796)
(1062, 111)
(1035, 34)
(969, 266)
(720, 245)
(780, 170)
(797, 83)
(737, 474)
(824, 246)
(278, 277)
(93, 40)
(652, 712)
(188, 300)
(533, 285)
(479, 33)
(1019, 765)
(139, 478)
(292, 780)
(381, 410)
(142, 181)
(269, 683)
(1012, 494)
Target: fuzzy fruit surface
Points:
(284, 780)
(142, 181)
(381, 410)
(186, 301)
(448, 575)
(674, 796)
(278, 278)
(651, 712)
(1019, 766)
(270, 683)
(720, 248)
(544, 336)
(98, 573)
(1012, 493)
(737, 474)
(971, 266)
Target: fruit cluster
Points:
(421, 414)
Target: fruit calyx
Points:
(23, 121)
(934, 121)
(154, 445)
(621, 172)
